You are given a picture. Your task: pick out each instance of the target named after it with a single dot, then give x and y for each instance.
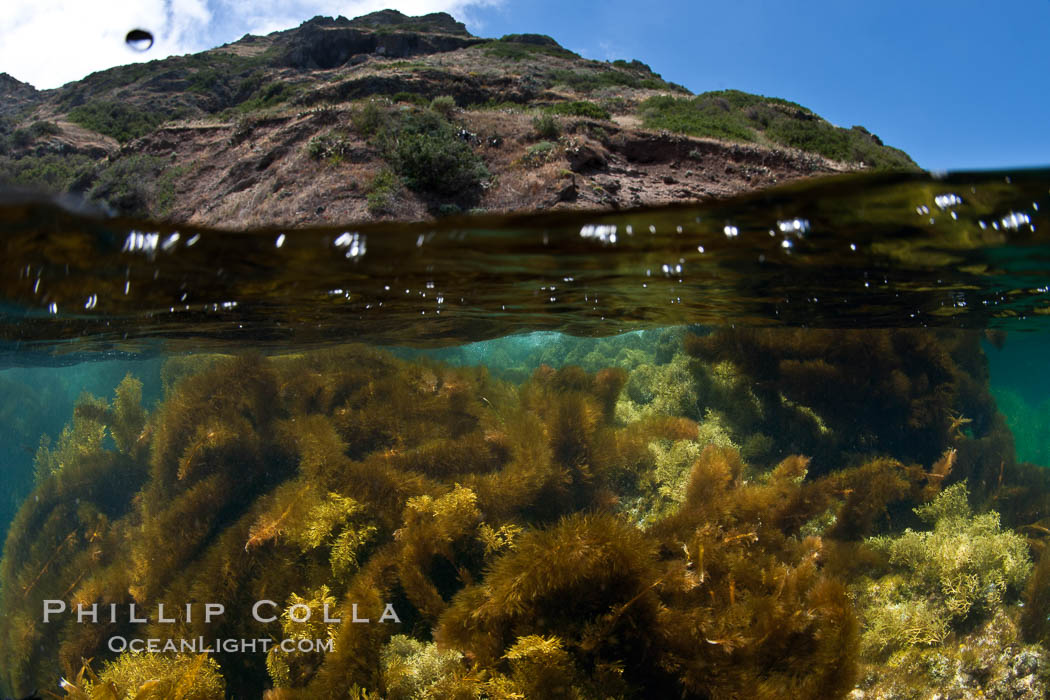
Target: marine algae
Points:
(965, 568)
(149, 677)
(302, 619)
(580, 534)
(414, 670)
(844, 396)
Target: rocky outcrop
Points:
(435, 22)
(324, 43)
(14, 94)
(532, 39)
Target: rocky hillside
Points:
(396, 117)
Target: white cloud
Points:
(50, 42)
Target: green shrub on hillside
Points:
(852, 145)
(164, 189)
(122, 121)
(19, 138)
(51, 173)
(696, 117)
(11, 137)
(423, 148)
(232, 82)
(634, 64)
(332, 146)
(592, 80)
(109, 79)
(517, 47)
(444, 105)
(739, 100)
(372, 119)
(546, 126)
(6, 127)
(205, 80)
(267, 95)
(130, 184)
(539, 153)
(738, 116)
(430, 156)
(381, 191)
(412, 98)
(530, 40)
(43, 128)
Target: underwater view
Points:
(792, 444)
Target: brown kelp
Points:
(268, 479)
(147, 676)
(580, 534)
(844, 396)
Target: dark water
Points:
(962, 250)
(788, 445)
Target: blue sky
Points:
(957, 85)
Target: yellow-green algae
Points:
(964, 569)
(293, 668)
(149, 676)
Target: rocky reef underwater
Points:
(677, 513)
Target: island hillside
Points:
(403, 118)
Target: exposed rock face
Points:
(263, 175)
(435, 22)
(586, 158)
(14, 94)
(12, 87)
(326, 44)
